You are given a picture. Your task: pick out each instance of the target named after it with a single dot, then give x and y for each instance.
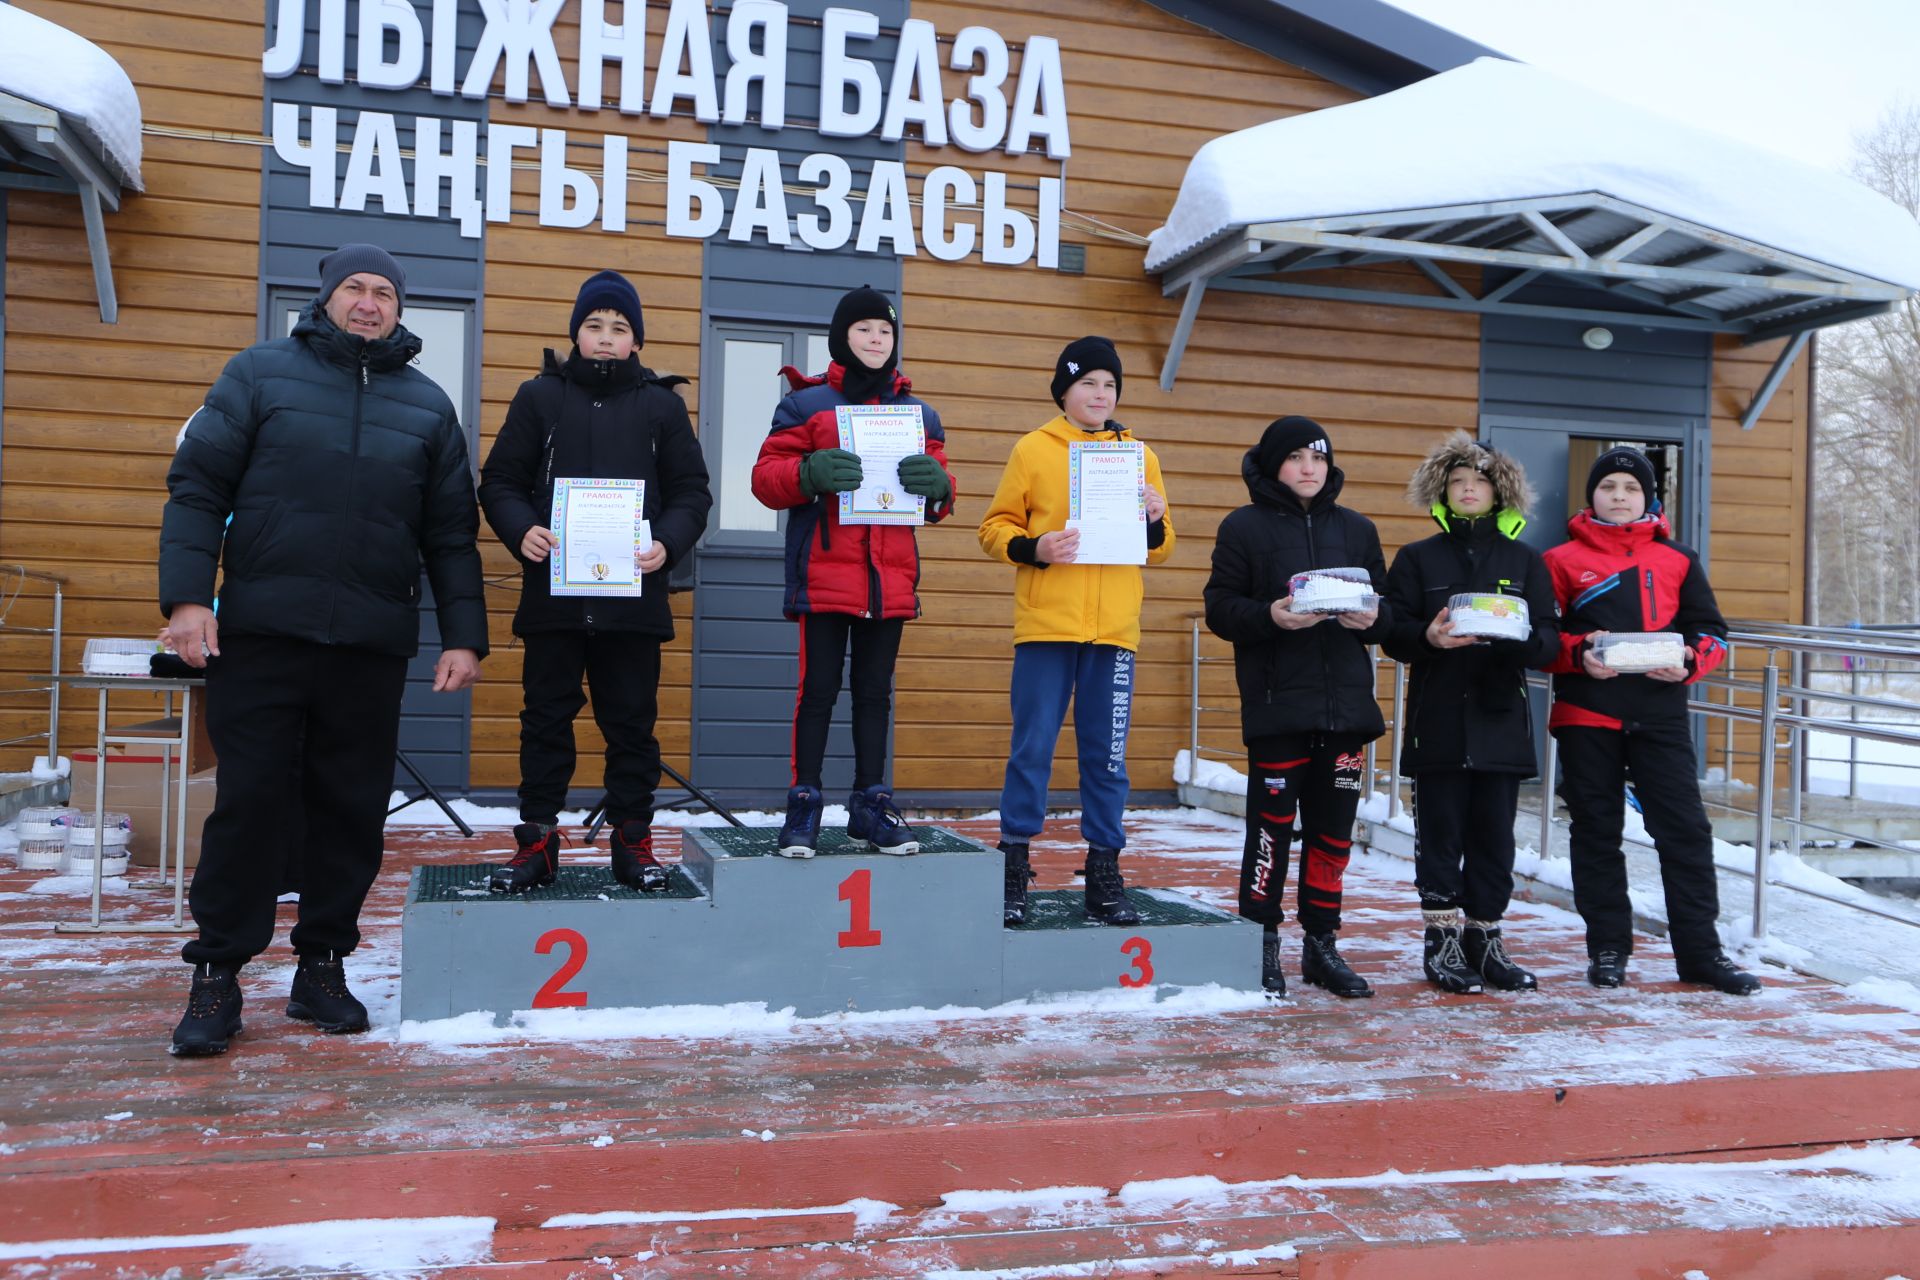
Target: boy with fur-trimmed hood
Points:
(1468, 741)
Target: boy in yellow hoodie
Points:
(1075, 630)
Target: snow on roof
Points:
(1500, 130)
(52, 66)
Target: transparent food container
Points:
(1491, 615)
(1639, 651)
(116, 830)
(1332, 591)
(45, 822)
(107, 657)
(43, 854)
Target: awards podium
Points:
(849, 929)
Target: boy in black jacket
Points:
(1622, 571)
(1307, 706)
(1468, 741)
(598, 414)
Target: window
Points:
(442, 330)
(748, 376)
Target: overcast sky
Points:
(1799, 76)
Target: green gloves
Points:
(829, 471)
(921, 475)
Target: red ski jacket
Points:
(1628, 577)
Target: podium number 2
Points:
(857, 892)
(1142, 952)
(550, 995)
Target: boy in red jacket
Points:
(1622, 571)
(847, 585)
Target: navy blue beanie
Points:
(351, 260)
(1634, 463)
(607, 291)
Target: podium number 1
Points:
(857, 892)
(550, 995)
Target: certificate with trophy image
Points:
(602, 532)
(882, 434)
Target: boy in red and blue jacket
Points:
(1622, 571)
(848, 586)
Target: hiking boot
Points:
(213, 1012)
(872, 820)
(1019, 874)
(1273, 977)
(1322, 965)
(1718, 972)
(1106, 897)
(320, 996)
(1446, 962)
(1608, 969)
(1487, 956)
(535, 860)
(800, 833)
(633, 862)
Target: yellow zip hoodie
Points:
(1078, 603)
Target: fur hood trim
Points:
(1428, 487)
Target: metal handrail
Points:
(55, 633)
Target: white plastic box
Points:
(1345, 590)
(1489, 615)
(1632, 652)
(108, 657)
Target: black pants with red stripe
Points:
(1316, 780)
(825, 639)
(1463, 840)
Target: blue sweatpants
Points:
(1098, 679)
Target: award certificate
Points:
(1107, 500)
(601, 534)
(882, 434)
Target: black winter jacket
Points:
(1467, 708)
(344, 469)
(1319, 679)
(600, 419)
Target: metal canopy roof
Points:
(1657, 270)
(40, 151)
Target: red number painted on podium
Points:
(1142, 952)
(857, 892)
(550, 995)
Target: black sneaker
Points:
(1322, 965)
(633, 862)
(1273, 976)
(1019, 874)
(213, 1013)
(535, 860)
(1106, 895)
(1608, 969)
(1445, 962)
(800, 833)
(875, 821)
(1487, 956)
(1718, 972)
(320, 996)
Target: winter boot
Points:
(1106, 897)
(213, 1012)
(1020, 874)
(1322, 965)
(1718, 972)
(1487, 956)
(872, 820)
(1446, 963)
(1608, 969)
(800, 833)
(320, 995)
(1273, 977)
(534, 862)
(633, 862)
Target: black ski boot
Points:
(1608, 969)
(1322, 965)
(320, 996)
(1273, 977)
(536, 858)
(1487, 956)
(1019, 874)
(213, 1012)
(1446, 963)
(633, 862)
(1718, 972)
(1106, 899)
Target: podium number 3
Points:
(857, 892)
(550, 995)
(1142, 952)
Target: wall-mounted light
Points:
(1597, 338)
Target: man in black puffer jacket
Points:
(1307, 706)
(344, 471)
(1468, 741)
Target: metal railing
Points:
(10, 594)
(1776, 698)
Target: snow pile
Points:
(1210, 775)
(363, 1246)
(52, 66)
(1499, 130)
